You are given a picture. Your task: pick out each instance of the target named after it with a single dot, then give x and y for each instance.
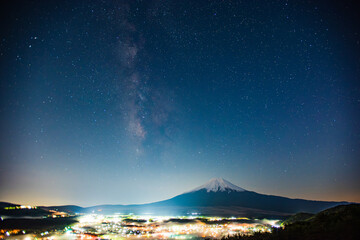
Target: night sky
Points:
(137, 101)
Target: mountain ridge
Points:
(217, 196)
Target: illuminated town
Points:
(94, 226)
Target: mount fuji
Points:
(221, 198)
(218, 185)
(219, 193)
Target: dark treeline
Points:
(338, 223)
(37, 224)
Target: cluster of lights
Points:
(162, 227)
(94, 226)
(20, 207)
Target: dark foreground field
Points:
(338, 223)
(37, 224)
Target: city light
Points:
(97, 226)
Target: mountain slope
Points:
(340, 222)
(65, 208)
(219, 196)
(216, 197)
(219, 192)
(247, 199)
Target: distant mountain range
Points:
(216, 197)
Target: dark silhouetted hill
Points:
(337, 223)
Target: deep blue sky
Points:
(137, 101)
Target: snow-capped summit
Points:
(218, 185)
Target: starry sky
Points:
(137, 101)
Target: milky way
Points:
(137, 101)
